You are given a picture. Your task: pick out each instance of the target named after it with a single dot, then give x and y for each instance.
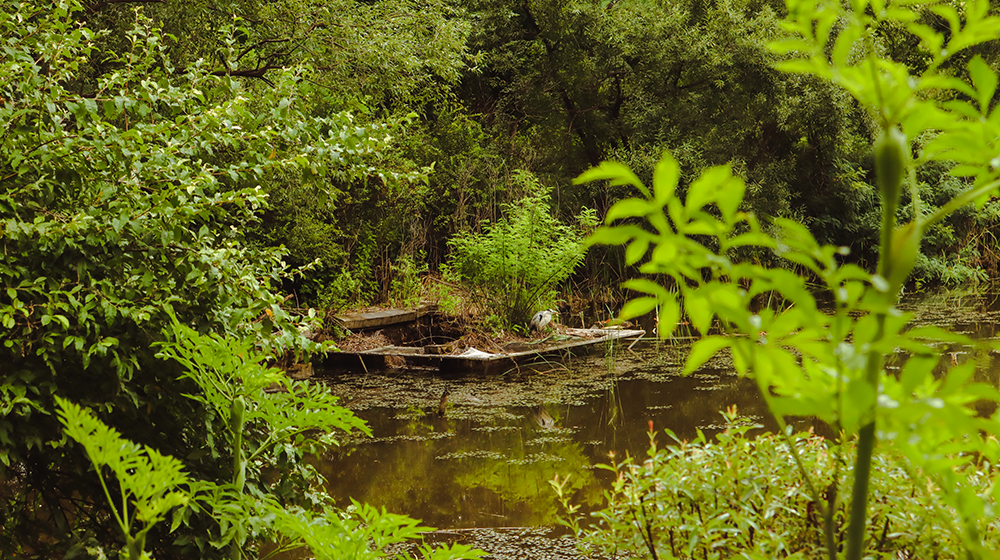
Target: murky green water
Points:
(488, 460)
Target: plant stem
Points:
(863, 462)
(236, 551)
(866, 435)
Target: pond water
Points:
(487, 461)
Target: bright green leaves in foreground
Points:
(293, 418)
(362, 533)
(151, 485)
(146, 486)
(807, 360)
(676, 253)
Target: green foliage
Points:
(513, 267)
(391, 63)
(294, 418)
(232, 379)
(230, 370)
(806, 362)
(567, 84)
(129, 176)
(362, 532)
(738, 496)
(832, 365)
(151, 483)
(406, 286)
(113, 201)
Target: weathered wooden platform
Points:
(472, 358)
(385, 318)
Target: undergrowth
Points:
(512, 268)
(741, 495)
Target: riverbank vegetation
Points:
(740, 496)
(833, 366)
(175, 176)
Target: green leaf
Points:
(667, 316)
(647, 286)
(985, 81)
(150, 482)
(786, 46)
(636, 251)
(616, 173)
(803, 66)
(706, 188)
(616, 235)
(845, 43)
(629, 208)
(703, 350)
(666, 175)
(700, 310)
(916, 371)
(637, 307)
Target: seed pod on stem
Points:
(891, 153)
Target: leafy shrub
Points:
(405, 287)
(741, 495)
(449, 297)
(342, 290)
(514, 266)
(263, 429)
(128, 183)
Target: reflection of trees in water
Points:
(489, 460)
(456, 474)
(536, 452)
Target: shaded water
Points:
(488, 460)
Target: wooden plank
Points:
(357, 321)
(384, 318)
(610, 335)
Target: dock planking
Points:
(384, 318)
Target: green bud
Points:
(891, 153)
(236, 412)
(904, 250)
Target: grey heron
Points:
(541, 319)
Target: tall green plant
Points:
(149, 484)
(231, 374)
(514, 266)
(831, 366)
(806, 362)
(262, 428)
